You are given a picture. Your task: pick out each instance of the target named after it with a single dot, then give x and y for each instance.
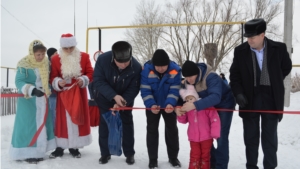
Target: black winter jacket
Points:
(109, 82)
(242, 74)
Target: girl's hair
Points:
(39, 48)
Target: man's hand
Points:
(188, 106)
(155, 109)
(62, 83)
(169, 109)
(115, 108)
(179, 112)
(241, 100)
(120, 100)
(79, 82)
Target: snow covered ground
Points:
(288, 151)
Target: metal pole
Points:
(87, 13)
(87, 40)
(74, 18)
(99, 39)
(287, 39)
(155, 25)
(7, 76)
(242, 38)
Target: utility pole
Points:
(74, 18)
(87, 14)
(287, 39)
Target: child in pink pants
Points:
(204, 126)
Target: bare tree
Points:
(187, 42)
(180, 40)
(225, 36)
(145, 40)
(268, 10)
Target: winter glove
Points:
(241, 100)
(36, 92)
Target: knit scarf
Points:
(264, 76)
(29, 62)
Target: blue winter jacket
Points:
(217, 94)
(160, 91)
(109, 81)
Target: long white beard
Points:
(70, 64)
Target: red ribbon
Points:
(38, 132)
(4, 95)
(143, 108)
(226, 110)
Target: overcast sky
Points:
(48, 19)
(25, 20)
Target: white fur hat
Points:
(188, 91)
(67, 40)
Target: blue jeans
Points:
(220, 155)
(52, 107)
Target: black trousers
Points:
(171, 134)
(127, 137)
(269, 140)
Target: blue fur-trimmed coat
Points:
(29, 117)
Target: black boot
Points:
(75, 153)
(104, 159)
(59, 152)
(175, 162)
(153, 164)
(32, 160)
(130, 160)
